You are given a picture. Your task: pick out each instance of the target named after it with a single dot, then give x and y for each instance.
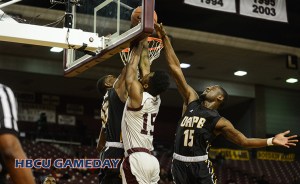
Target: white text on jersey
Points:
(191, 121)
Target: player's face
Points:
(49, 180)
(210, 93)
(110, 80)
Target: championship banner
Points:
(66, 120)
(230, 154)
(265, 9)
(221, 5)
(268, 155)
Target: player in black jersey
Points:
(201, 123)
(110, 143)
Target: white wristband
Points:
(270, 141)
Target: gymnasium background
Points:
(259, 106)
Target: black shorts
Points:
(112, 176)
(193, 172)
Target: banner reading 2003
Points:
(264, 9)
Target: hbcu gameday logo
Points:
(67, 163)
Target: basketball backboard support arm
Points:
(49, 36)
(9, 3)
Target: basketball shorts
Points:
(140, 168)
(111, 176)
(193, 172)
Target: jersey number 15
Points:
(188, 138)
(145, 123)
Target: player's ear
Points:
(220, 98)
(108, 84)
(145, 86)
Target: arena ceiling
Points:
(215, 44)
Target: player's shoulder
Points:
(222, 122)
(194, 104)
(147, 97)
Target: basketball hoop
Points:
(155, 46)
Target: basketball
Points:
(136, 16)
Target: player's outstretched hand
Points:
(160, 30)
(282, 140)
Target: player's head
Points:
(215, 94)
(156, 82)
(49, 180)
(104, 83)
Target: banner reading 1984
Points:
(264, 9)
(221, 5)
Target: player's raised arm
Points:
(133, 86)
(144, 64)
(186, 91)
(120, 86)
(225, 128)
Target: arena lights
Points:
(291, 80)
(240, 73)
(184, 65)
(56, 49)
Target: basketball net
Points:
(155, 46)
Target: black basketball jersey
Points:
(114, 118)
(195, 130)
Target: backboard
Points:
(111, 20)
